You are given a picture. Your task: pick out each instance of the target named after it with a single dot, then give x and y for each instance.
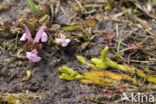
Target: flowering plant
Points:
(40, 35)
(34, 43)
(62, 40)
(32, 56)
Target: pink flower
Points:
(32, 56)
(62, 40)
(40, 35)
(24, 37)
(44, 37)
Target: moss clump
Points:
(101, 77)
(104, 62)
(83, 61)
(90, 23)
(19, 98)
(69, 74)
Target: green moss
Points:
(90, 23)
(83, 61)
(99, 63)
(100, 77)
(19, 98)
(105, 61)
(72, 28)
(69, 74)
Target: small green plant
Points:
(32, 6)
(125, 13)
(83, 61)
(87, 38)
(69, 74)
(76, 27)
(12, 44)
(101, 78)
(104, 62)
(118, 49)
(19, 98)
(15, 46)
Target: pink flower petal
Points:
(58, 40)
(28, 54)
(67, 40)
(64, 44)
(44, 37)
(34, 52)
(24, 37)
(28, 34)
(36, 59)
(39, 33)
(32, 56)
(62, 36)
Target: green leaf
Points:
(32, 6)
